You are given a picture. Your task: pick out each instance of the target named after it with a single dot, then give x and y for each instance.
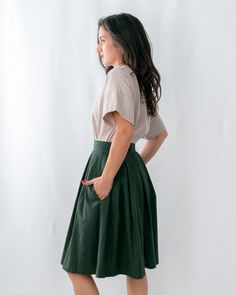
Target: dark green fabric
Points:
(116, 235)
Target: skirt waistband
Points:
(104, 146)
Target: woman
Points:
(113, 227)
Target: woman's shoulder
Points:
(121, 71)
(120, 76)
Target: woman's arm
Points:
(152, 146)
(117, 152)
(119, 146)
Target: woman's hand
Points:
(102, 186)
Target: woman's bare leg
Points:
(83, 284)
(137, 286)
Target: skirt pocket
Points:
(94, 194)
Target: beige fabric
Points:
(121, 93)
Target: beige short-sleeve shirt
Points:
(121, 93)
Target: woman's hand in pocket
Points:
(102, 186)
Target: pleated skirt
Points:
(119, 234)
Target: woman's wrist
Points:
(107, 177)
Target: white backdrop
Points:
(49, 79)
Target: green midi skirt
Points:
(119, 234)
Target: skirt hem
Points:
(109, 274)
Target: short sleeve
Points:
(156, 126)
(118, 96)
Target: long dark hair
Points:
(128, 32)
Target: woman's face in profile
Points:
(111, 55)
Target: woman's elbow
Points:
(161, 136)
(164, 133)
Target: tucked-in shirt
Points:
(121, 93)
